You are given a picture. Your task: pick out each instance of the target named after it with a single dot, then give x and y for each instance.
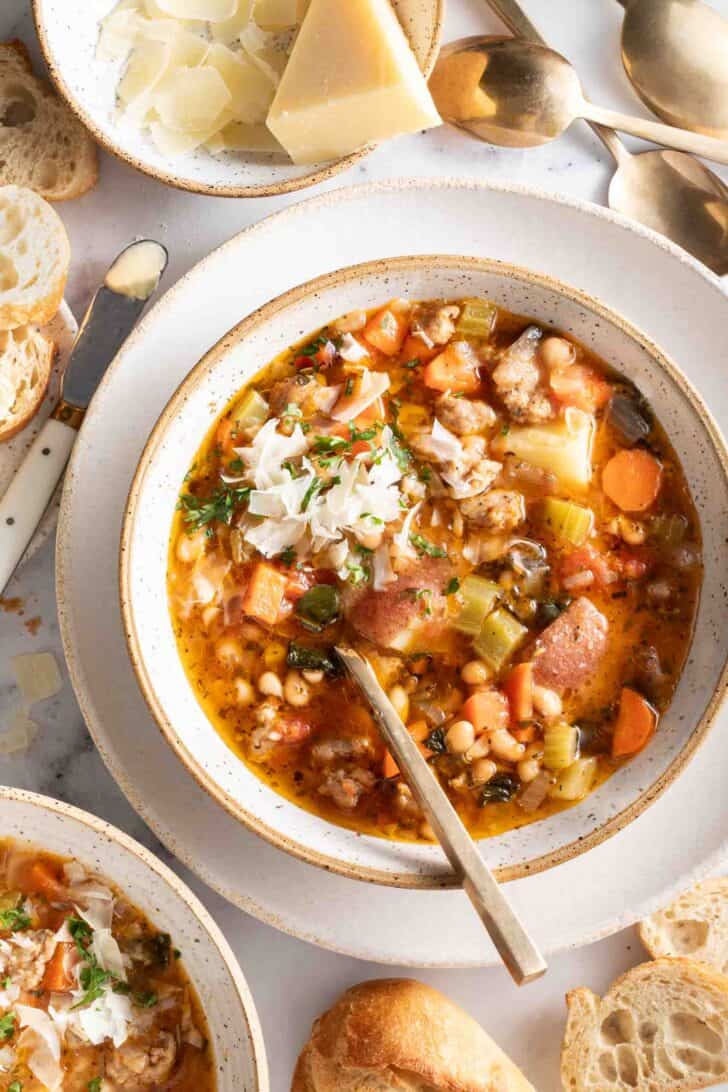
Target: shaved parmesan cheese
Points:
(7, 1059)
(239, 137)
(108, 953)
(443, 444)
(44, 1042)
(20, 733)
(192, 99)
(9, 995)
(37, 676)
(401, 539)
(212, 11)
(277, 14)
(367, 388)
(382, 568)
(145, 69)
(250, 91)
(173, 144)
(265, 52)
(352, 350)
(108, 1017)
(74, 872)
(118, 35)
(229, 30)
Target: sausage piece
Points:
(570, 650)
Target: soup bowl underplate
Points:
(237, 1040)
(203, 395)
(68, 33)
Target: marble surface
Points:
(62, 761)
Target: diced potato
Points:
(252, 410)
(575, 781)
(563, 447)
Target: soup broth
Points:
(482, 508)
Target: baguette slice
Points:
(398, 1033)
(695, 925)
(662, 1027)
(34, 259)
(26, 359)
(42, 144)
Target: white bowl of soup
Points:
(498, 491)
(113, 973)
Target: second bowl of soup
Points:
(492, 488)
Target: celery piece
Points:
(668, 530)
(252, 410)
(479, 597)
(560, 746)
(575, 781)
(563, 447)
(477, 318)
(499, 637)
(567, 521)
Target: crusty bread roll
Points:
(26, 358)
(34, 258)
(396, 1033)
(662, 1026)
(42, 144)
(695, 925)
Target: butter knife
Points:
(110, 318)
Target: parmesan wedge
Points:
(351, 80)
(37, 676)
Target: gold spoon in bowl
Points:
(670, 192)
(520, 94)
(513, 943)
(675, 53)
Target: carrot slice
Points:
(486, 710)
(265, 593)
(519, 689)
(42, 879)
(419, 731)
(632, 479)
(580, 386)
(224, 436)
(636, 723)
(57, 977)
(524, 735)
(455, 369)
(414, 348)
(386, 331)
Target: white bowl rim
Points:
(107, 830)
(264, 189)
(207, 363)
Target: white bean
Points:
(244, 692)
(557, 352)
(480, 749)
(313, 677)
(482, 771)
(528, 769)
(398, 697)
(296, 690)
(190, 547)
(547, 702)
(229, 652)
(475, 673)
(504, 746)
(460, 737)
(270, 685)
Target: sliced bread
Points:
(695, 925)
(26, 359)
(43, 145)
(34, 258)
(661, 1027)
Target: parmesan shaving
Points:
(7, 1059)
(367, 388)
(19, 735)
(211, 11)
(37, 676)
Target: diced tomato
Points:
(387, 330)
(519, 688)
(527, 734)
(264, 595)
(580, 386)
(454, 369)
(414, 348)
(587, 559)
(486, 710)
(294, 729)
(299, 581)
(634, 563)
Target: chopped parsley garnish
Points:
(15, 1086)
(505, 430)
(313, 346)
(452, 586)
(292, 469)
(161, 949)
(92, 978)
(81, 932)
(415, 363)
(7, 1025)
(288, 556)
(315, 487)
(94, 1085)
(349, 387)
(145, 999)
(322, 445)
(237, 466)
(424, 547)
(218, 507)
(14, 918)
(6, 982)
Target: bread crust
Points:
(43, 354)
(694, 925)
(400, 1033)
(34, 259)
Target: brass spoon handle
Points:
(515, 18)
(657, 132)
(514, 945)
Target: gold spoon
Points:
(675, 53)
(670, 192)
(520, 94)
(514, 945)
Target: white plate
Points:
(657, 287)
(68, 31)
(62, 329)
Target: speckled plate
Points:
(62, 331)
(237, 1039)
(68, 32)
(588, 896)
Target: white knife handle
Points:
(28, 495)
